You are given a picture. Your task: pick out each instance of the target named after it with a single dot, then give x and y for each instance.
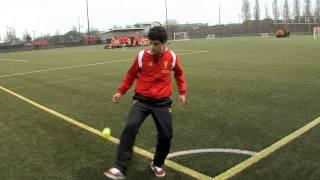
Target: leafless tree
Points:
(296, 8)
(275, 10)
(246, 15)
(257, 11)
(172, 22)
(307, 8)
(286, 10)
(266, 9)
(317, 9)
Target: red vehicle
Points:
(282, 34)
(40, 43)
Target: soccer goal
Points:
(264, 35)
(316, 33)
(211, 36)
(180, 36)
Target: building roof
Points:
(123, 30)
(154, 22)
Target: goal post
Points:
(316, 33)
(264, 35)
(211, 36)
(180, 36)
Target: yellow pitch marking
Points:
(137, 150)
(267, 151)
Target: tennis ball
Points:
(106, 132)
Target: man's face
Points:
(156, 46)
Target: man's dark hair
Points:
(158, 33)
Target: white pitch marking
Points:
(140, 151)
(186, 53)
(69, 67)
(16, 60)
(193, 52)
(175, 50)
(84, 65)
(60, 81)
(214, 150)
(190, 50)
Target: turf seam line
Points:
(136, 149)
(267, 151)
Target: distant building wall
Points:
(122, 32)
(251, 27)
(146, 26)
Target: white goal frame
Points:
(316, 33)
(264, 35)
(211, 36)
(183, 34)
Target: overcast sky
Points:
(50, 16)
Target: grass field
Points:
(243, 93)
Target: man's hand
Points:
(116, 97)
(182, 100)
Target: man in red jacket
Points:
(152, 69)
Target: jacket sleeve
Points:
(179, 77)
(129, 77)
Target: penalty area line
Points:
(267, 151)
(15, 60)
(140, 151)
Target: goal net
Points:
(180, 36)
(316, 33)
(264, 35)
(211, 36)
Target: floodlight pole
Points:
(219, 14)
(88, 23)
(7, 33)
(318, 13)
(166, 16)
(219, 20)
(79, 25)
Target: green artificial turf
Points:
(243, 93)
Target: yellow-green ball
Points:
(106, 132)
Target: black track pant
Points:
(138, 113)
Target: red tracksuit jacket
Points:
(154, 77)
